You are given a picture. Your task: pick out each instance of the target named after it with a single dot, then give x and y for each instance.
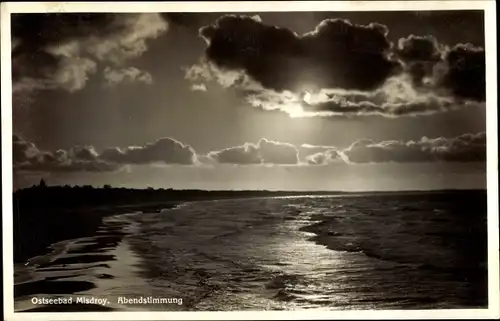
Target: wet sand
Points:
(38, 228)
(278, 254)
(53, 286)
(74, 267)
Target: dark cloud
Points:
(86, 153)
(165, 150)
(464, 148)
(243, 155)
(420, 55)
(273, 152)
(419, 48)
(336, 54)
(67, 48)
(192, 20)
(461, 69)
(58, 27)
(27, 157)
(466, 72)
(264, 152)
(343, 52)
(265, 63)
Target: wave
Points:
(293, 252)
(417, 234)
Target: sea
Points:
(346, 252)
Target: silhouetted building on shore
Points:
(42, 183)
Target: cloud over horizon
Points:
(264, 152)
(465, 148)
(165, 150)
(27, 157)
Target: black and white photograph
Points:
(255, 158)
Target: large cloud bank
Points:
(339, 68)
(465, 148)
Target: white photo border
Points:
(489, 7)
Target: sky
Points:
(349, 101)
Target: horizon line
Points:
(172, 189)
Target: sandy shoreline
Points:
(40, 229)
(74, 269)
(139, 250)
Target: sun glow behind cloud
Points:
(220, 102)
(369, 76)
(307, 97)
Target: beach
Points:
(270, 253)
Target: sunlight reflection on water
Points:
(253, 254)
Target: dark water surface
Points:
(418, 251)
